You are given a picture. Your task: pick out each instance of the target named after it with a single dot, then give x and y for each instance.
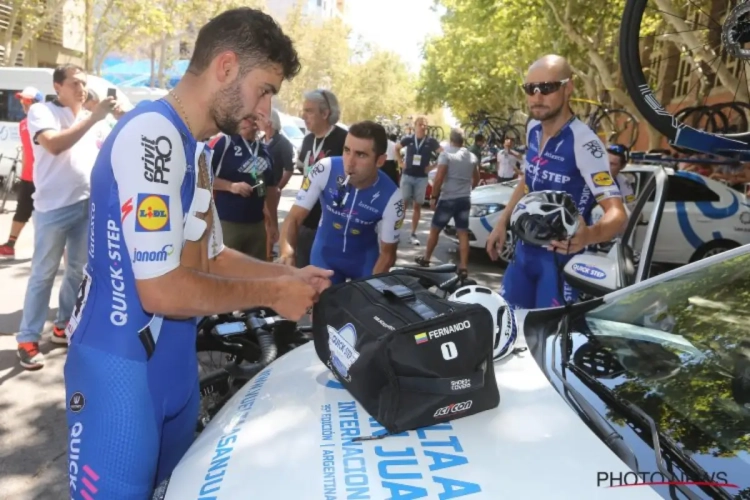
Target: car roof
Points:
(639, 167)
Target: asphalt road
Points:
(32, 408)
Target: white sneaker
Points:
(415, 240)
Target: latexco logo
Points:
(449, 410)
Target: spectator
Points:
(66, 140)
(282, 156)
(25, 204)
(245, 188)
(321, 112)
(508, 162)
(390, 167)
(478, 146)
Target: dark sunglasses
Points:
(619, 150)
(544, 88)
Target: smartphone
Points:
(225, 329)
(112, 93)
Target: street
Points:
(33, 458)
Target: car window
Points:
(685, 189)
(680, 350)
(292, 132)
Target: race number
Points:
(449, 351)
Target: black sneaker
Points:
(31, 358)
(58, 336)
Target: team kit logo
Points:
(152, 213)
(602, 179)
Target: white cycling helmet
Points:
(503, 319)
(544, 216)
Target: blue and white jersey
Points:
(144, 191)
(574, 161)
(350, 220)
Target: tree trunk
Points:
(51, 9)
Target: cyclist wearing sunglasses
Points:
(356, 196)
(563, 155)
(156, 262)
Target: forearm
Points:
(222, 184)
(63, 140)
(288, 236)
(233, 264)
(384, 263)
(285, 179)
(518, 193)
(202, 294)
(608, 227)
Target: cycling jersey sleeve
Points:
(393, 219)
(593, 163)
(41, 118)
(148, 163)
(314, 184)
(628, 196)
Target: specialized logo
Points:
(595, 148)
(153, 255)
(375, 197)
(441, 332)
(383, 323)
(77, 402)
(157, 153)
(589, 271)
(305, 184)
(152, 213)
(602, 179)
(450, 410)
(341, 344)
(126, 209)
(421, 338)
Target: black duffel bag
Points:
(410, 358)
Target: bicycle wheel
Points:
(705, 64)
(617, 126)
(8, 184)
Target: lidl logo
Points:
(152, 213)
(421, 338)
(336, 225)
(602, 179)
(355, 231)
(305, 184)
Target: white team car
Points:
(644, 386)
(702, 217)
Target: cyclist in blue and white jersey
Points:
(356, 197)
(157, 263)
(563, 155)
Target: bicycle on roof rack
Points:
(712, 47)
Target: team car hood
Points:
(285, 435)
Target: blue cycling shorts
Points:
(353, 265)
(129, 421)
(534, 279)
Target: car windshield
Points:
(292, 132)
(680, 350)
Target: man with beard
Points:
(245, 184)
(563, 155)
(157, 263)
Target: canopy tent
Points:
(138, 73)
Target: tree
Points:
(29, 18)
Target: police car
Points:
(702, 217)
(646, 392)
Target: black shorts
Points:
(25, 202)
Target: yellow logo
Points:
(306, 184)
(630, 198)
(355, 231)
(337, 225)
(152, 213)
(602, 179)
(399, 224)
(525, 189)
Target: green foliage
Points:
(486, 47)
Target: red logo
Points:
(127, 207)
(449, 410)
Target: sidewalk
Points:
(32, 407)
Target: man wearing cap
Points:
(27, 96)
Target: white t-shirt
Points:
(390, 151)
(505, 164)
(64, 179)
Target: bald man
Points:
(563, 154)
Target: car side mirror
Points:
(593, 274)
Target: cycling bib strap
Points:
(405, 295)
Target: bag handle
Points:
(444, 386)
(404, 294)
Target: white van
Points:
(13, 80)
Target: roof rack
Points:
(640, 156)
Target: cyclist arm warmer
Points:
(313, 185)
(151, 191)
